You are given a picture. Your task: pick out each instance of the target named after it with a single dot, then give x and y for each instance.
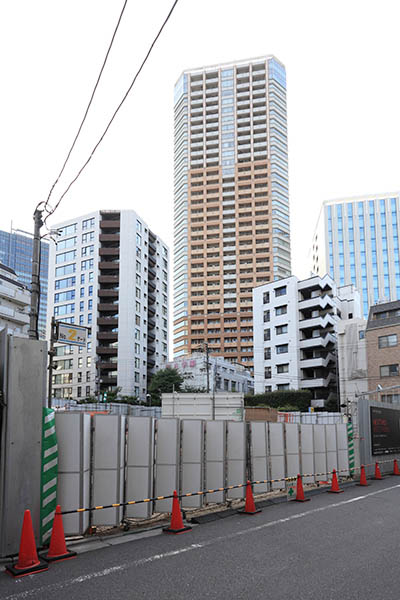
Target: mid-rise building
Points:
(16, 248)
(15, 301)
(352, 359)
(295, 334)
(220, 376)
(382, 337)
(109, 272)
(356, 241)
(231, 201)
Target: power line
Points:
(114, 114)
(88, 106)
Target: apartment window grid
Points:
(363, 259)
(350, 224)
(339, 217)
(330, 241)
(385, 256)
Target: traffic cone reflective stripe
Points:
(58, 549)
(335, 489)
(28, 560)
(395, 468)
(363, 477)
(299, 491)
(176, 525)
(249, 507)
(378, 474)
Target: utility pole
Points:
(35, 286)
(207, 367)
(53, 338)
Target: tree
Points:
(164, 381)
(299, 399)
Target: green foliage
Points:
(164, 381)
(192, 389)
(296, 399)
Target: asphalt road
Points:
(342, 546)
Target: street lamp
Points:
(148, 396)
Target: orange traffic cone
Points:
(176, 525)
(249, 507)
(363, 477)
(58, 549)
(335, 489)
(378, 474)
(395, 468)
(299, 491)
(28, 561)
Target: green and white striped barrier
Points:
(48, 488)
(350, 438)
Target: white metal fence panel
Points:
(108, 467)
(236, 457)
(320, 451)
(139, 467)
(215, 446)
(343, 449)
(73, 438)
(192, 461)
(307, 452)
(166, 465)
(277, 454)
(259, 455)
(292, 449)
(331, 448)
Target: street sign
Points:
(71, 334)
(291, 488)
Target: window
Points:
(282, 386)
(79, 391)
(88, 361)
(138, 239)
(389, 370)
(81, 306)
(88, 223)
(282, 368)
(361, 335)
(266, 316)
(82, 294)
(267, 335)
(90, 304)
(137, 293)
(91, 276)
(88, 390)
(64, 283)
(64, 296)
(138, 226)
(66, 256)
(265, 297)
(267, 353)
(282, 349)
(87, 250)
(281, 329)
(89, 318)
(80, 362)
(68, 243)
(67, 230)
(64, 309)
(82, 278)
(280, 291)
(281, 310)
(65, 270)
(387, 341)
(137, 348)
(90, 290)
(87, 237)
(267, 373)
(87, 264)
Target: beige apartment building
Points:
(231, 202)
(383, 354)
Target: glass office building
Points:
(16, 253)
(357, 242)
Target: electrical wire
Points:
(114, 114)
(88, 106)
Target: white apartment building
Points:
(223, 376)
(352, 359)
(109, 272)
(294, 334)
(15, 301)
(356, 241)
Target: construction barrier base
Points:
(176, 531)
(40, 566)
(395, 474)
(379, 478)
(300, 500)
(67, 556)
(335, 491)
(246, 512)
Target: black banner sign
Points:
(385, 430)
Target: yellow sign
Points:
(72, 334)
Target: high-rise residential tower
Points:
(16, 248)
(109, 272)
(356, 241)
(231, 201)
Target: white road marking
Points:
(142, 561)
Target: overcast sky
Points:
(343, 90)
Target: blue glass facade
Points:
(16, 253)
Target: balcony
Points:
(109, 251)
(109, 265)
(109, 380)
(107, 350)
(107, 365)
(321, 340)
(110, 336)
(320, 322)
(109, 224)
(111, 321)
(10, 314)
(109, 279)
(109, 237)
(108, 307)
(108, 293)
